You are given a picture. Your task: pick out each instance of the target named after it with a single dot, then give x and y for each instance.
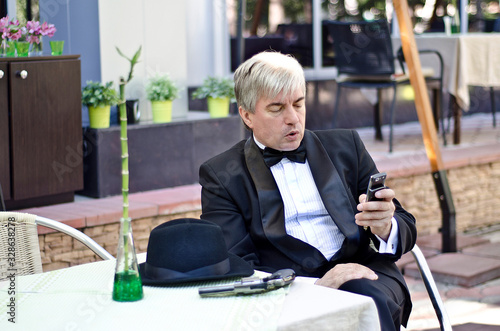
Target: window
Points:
(27, 10)
(288, 25)
(280, 25)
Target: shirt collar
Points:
(258, 143)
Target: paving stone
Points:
(408, 257)
(459, 269)
(434, 241)
(488, 250)
(461, 292)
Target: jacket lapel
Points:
(272, 211)
(338, 202)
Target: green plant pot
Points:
(162, 111)
(99, 117)
(218, 107)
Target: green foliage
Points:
(133, 61)
(161, 88)
(96, 94)
(215, 87)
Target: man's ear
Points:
(246, 116)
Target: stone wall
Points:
(475, 195)
(60, 251)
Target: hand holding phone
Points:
(377, 183)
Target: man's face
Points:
(278, 123)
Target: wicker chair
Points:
(19, 242)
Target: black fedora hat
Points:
(189, 250)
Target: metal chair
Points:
(364, 59)
(432, 290)
(492, 99)
(434, 81)
(19, 242)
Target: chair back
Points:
(362, 48)
(19, 248)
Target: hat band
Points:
(219, 268)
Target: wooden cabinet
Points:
(4, 132)
(40, 130)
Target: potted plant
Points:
(161, 90)
(99, 98)
(219, 92)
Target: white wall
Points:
(11, 9)
(207, 40)
(160, 27)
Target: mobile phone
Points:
(377, 183)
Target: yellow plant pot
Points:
(218, 107)
(99, 117)
(162, 111)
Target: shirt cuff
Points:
(391, 245)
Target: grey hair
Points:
(265, 75)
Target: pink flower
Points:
(10, 29)
(15, 35)
(33, 30)
(48, 29)
(4, 22)
(33, 27)
(33, 39)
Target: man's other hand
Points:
(342, 273)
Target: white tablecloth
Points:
(469, 60)
(79, 298)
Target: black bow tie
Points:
(272, 156)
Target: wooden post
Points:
(427, 123)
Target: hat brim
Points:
(239, 268)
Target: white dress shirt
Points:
(306, 217)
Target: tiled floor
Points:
(476, 306)
(476, 130)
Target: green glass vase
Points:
(8, 48)
(22, 48)
(127, 284)
(56, 47)
(36, 49)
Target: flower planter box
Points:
(161, 155)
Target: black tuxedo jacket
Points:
(239, 193)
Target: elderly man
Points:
(292, 198)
